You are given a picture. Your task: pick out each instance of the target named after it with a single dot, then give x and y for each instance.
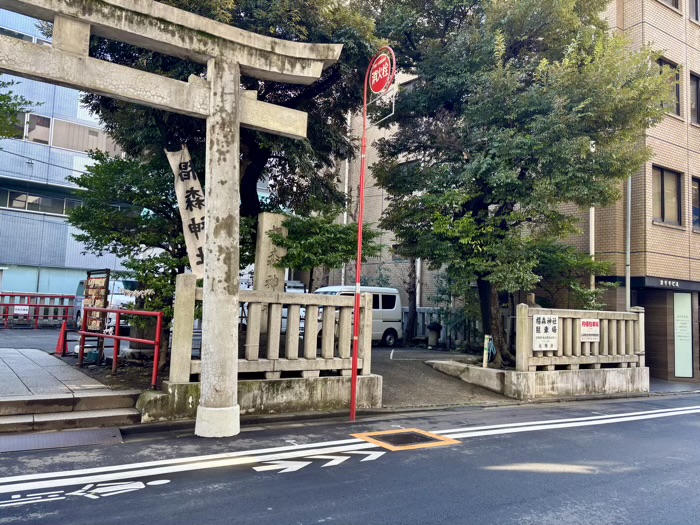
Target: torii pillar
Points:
(228, 53)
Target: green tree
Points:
(564, 271)
(320, 242)
(11, 105)
(130, 210)
(496, 132)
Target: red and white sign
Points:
(381, 74)
(590, 330)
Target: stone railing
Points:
(279, 333)
(620, 339)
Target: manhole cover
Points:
(406, 439)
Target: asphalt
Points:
(408, 382)
(615, 462)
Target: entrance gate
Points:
(228, 53)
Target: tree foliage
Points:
(130, 210)
(495, 133)
(11, 105)
(320, 242)
(564, 272)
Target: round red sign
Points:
(381, 74)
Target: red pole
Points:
(360, 221)
(83, 328)
(156, 352)
(117, 344)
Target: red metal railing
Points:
(34, 303)
(119, 338)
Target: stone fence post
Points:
(639, 342)
(183, 327)
(523, 340)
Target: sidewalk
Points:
(661, 386)
(33, 372)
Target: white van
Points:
(386, 311)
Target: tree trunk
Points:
(412, 289)
(493, 322)
(311, 280)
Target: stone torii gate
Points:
(228, 52)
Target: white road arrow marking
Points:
(81, 477)
(283, 466)
(335, 460)
(371, 456)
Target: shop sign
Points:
(545, 332)
(590, 330)
(683, 334)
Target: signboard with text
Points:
(21, 310)
(545, 333)
(382, 72)
(190, 200)
(96, 296)
(590, 330)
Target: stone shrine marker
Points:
(228, 53)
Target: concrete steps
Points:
(96, 408)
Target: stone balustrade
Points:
(288, 342)
(620, 341)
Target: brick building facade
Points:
(665, 211)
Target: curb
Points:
(392, 412)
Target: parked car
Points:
(387, 324)
(116, 299)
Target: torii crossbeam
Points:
(228, 53)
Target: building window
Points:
(45, 204)
(695, 98)
(24, 201)
(63, 134)
(18, 201)
(674, 104)
(695, 10)
(696, 204)
(16, 34)
(666, 188)
(38, 129)
(70, 204)
(672, 3)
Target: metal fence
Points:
(465, 331)
(35, 310)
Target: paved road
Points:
(625, 462)
(409, 382)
